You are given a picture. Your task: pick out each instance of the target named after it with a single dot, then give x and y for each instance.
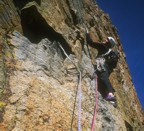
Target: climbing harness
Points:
(96, 103)
(100, 63)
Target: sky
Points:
(128, 17)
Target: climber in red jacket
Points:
(104, 63)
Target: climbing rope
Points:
(79, 89)
(96, 104)
(96, 84)
(79, 103)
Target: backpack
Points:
(112, 59)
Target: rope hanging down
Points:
(79, 89)
(79, 103)
(96, 104)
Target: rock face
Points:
(43, 54)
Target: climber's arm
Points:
(91, 42)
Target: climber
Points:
(105, 61)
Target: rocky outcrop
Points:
(43, 54)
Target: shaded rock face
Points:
(44, 53)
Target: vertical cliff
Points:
(39, 84)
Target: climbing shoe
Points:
(110, 98)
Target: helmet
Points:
(112, 41)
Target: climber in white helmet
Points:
(104, 63)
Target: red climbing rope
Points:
(96, 104)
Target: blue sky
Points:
(128, 17)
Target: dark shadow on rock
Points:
(21, 3)
(128, 126)
(35, 28)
